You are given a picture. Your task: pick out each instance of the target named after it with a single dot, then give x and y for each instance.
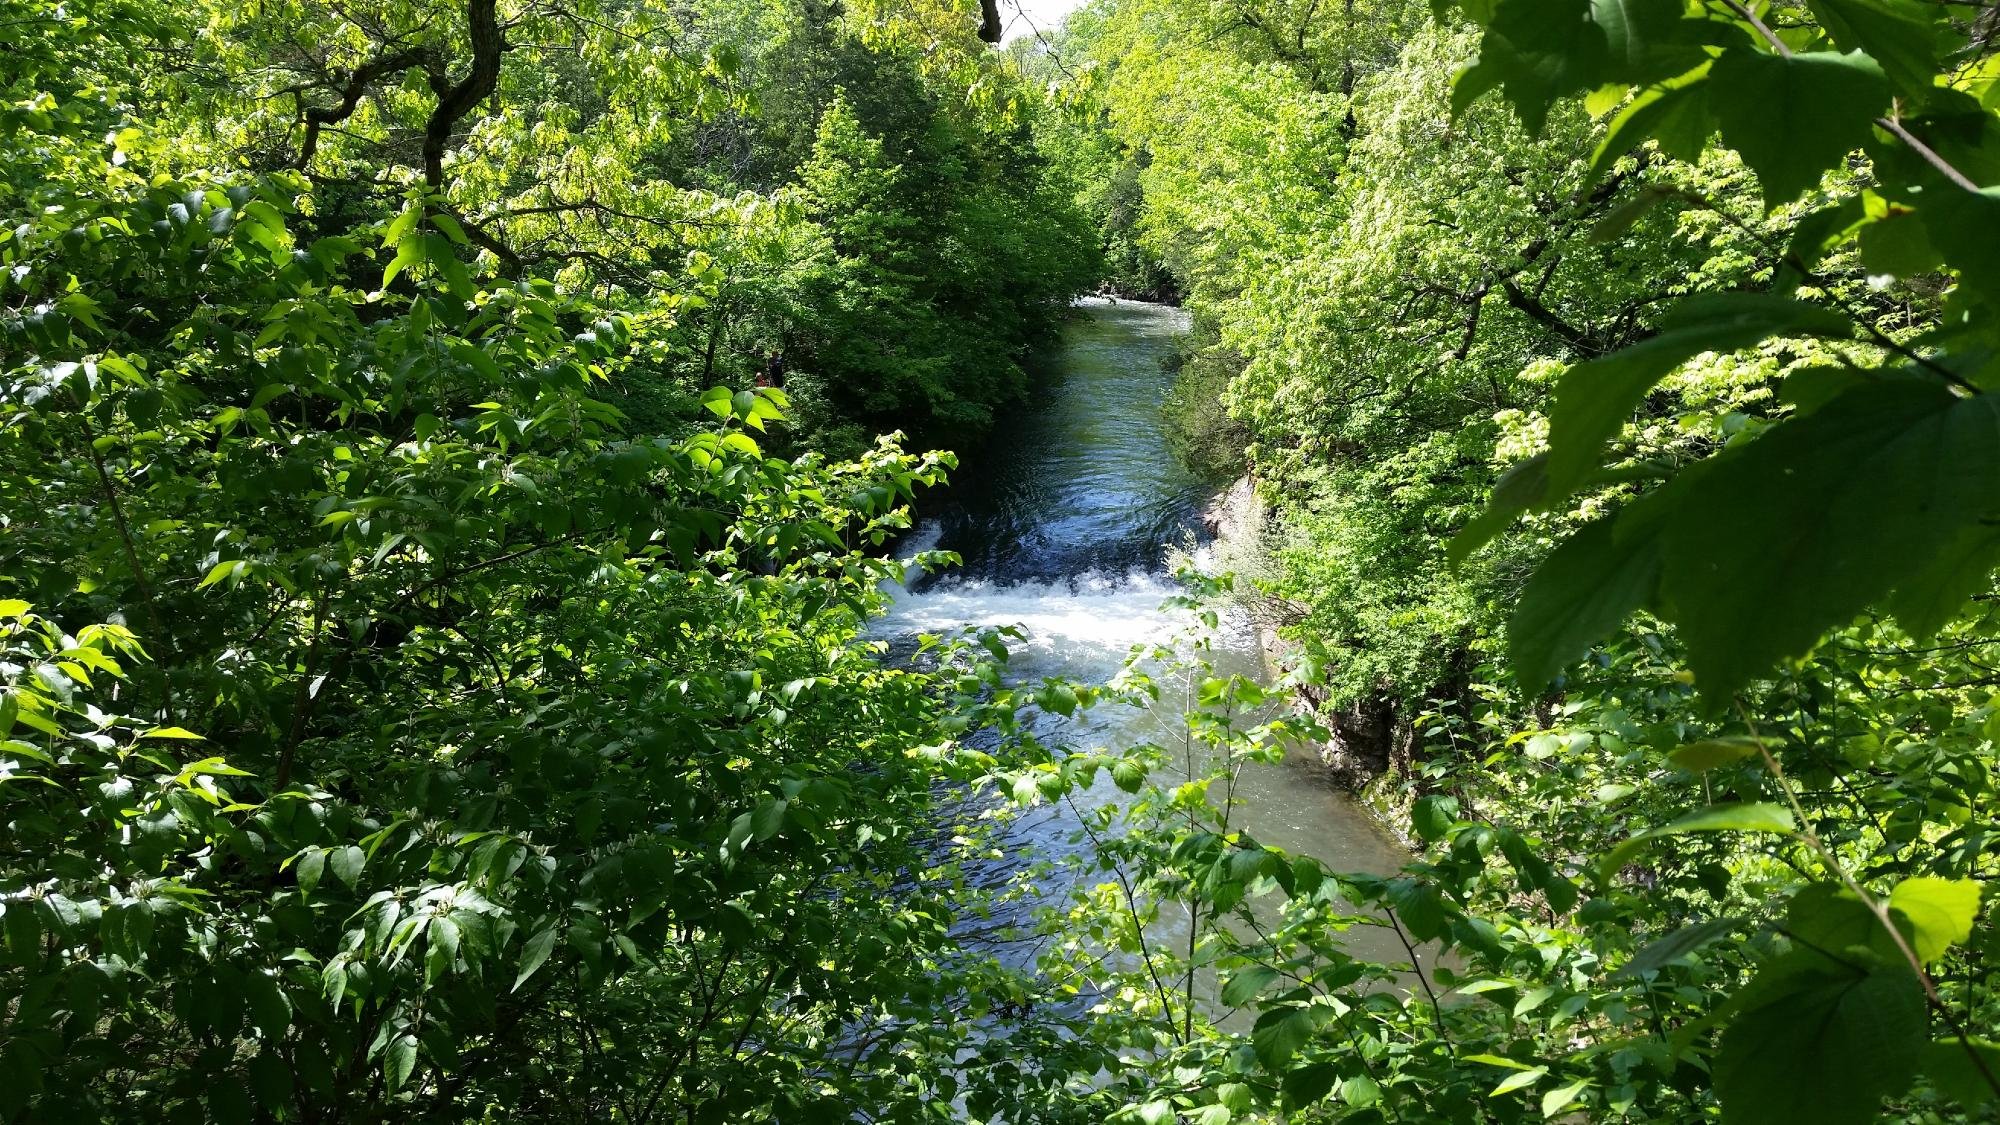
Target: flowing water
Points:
(1065, 524)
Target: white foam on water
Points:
(1090, 618)
(1174, 319)
(924, 537)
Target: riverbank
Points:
(1368, 752)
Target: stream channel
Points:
(1066, 522)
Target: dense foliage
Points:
(1704, 291)
(443, 517)
(425, 698)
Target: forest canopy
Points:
(452, 454)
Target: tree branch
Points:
(1539, 313)
(358, 81)
(455, 101)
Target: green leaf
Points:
(443, 936)
(229, 1104)
(992, 643)
(1495, 1060)
(1246, 984)
(1580, 592)
(1519, 1079)
(1433, 816)
(1798, 531)
(450, 227)
(1595, 399)
(1699, 757)
(212, 767)
(768, 818)
(347, 862)
(310, 867)
(225, 569)
(1027, 787)
(1898, 244)
(1474, 82)
(1902, 35)
(1308, 1084)
(1934, 596)
(1539, 50)
(1827, 919)
(1817, 1043)
(1360, 1091)
(1743, 817)
(458, 280)
(1127, 775)
(174, 732)
(1964, 1070)
(1674, 113)
(32, 719)
(1420, 907)
(270, 1009)
(1674, 946)
(1818, 235)
(402, 225)
(1810, 388)
(477, 358)
(1642, 39)
(1794, 117)
(1558, 1099)
(1519, 489)
(399, 1060)
(1746, 817)
(534, 953)
(1965, 227)
(718, 401)
(1532, 999)
(271, 1081)
(1627, 214)
(1279, 1033)
(409, 252)
(1940, 911)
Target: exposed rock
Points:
(1235, 516)
(1369, 739)
(1366, 740)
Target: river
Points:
(1066, 523)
